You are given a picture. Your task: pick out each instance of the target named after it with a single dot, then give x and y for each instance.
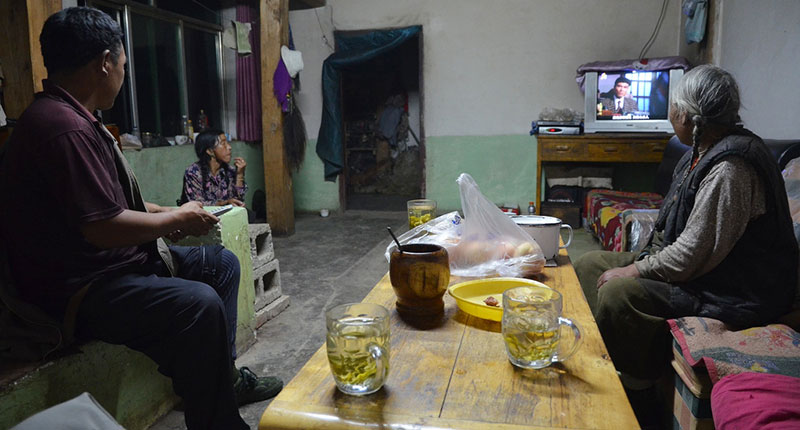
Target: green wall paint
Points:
(504, 167)
(160, 170)
(311, 191)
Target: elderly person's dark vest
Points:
(756, 282)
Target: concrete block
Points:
(261, 247)
(271, 310)
(267, 284)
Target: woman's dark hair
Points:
(207, 140)
(72, 37)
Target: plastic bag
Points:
(641, 227)
(444, 230)
(492, 243)
(485, 243)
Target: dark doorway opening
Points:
(382, 125)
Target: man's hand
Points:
(629, 271)
(194, 221)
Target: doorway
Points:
(383, 140)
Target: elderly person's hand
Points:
(240, 165)
(629, 271)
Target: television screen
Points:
(632, 95)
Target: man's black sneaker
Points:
(249, 388)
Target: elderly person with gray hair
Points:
(723, 245)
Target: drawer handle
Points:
(610, 149)
(562, 148)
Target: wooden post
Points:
(21, 23)
(277, 177)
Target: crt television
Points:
(644, 95)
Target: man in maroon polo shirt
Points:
(86, 247)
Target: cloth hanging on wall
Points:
(695, 29)
(248, 82)
(242, 37)
(351, 50)
(281, 85)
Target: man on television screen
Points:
(617, 100)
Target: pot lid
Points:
(536, 220)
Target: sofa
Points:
(729, 378)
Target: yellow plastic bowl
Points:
(471, 294)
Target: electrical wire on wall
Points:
(652, 39)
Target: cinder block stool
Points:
(269, 299)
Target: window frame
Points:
(641, 87)
(124, 8)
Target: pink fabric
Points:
(756, 401)
(248, 81)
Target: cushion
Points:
(756, 401)
(774, 348)
(604, 213)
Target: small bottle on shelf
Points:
(190, 130)
(531, 208)
(185, 125)
(202, 121)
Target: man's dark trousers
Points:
(186, 324)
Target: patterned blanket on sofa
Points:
(606, 209)
(774, 348)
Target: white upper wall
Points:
(490, 67)
(760, 46)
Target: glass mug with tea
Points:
(531, 327)
(358, 347)
(420, 211)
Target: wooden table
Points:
(458, 376)
(597, 148)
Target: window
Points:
(641, 83)
(174, 66)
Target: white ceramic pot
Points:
(545, 230)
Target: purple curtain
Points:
(248, 80)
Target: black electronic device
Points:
(558, 127)
(221, 210)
